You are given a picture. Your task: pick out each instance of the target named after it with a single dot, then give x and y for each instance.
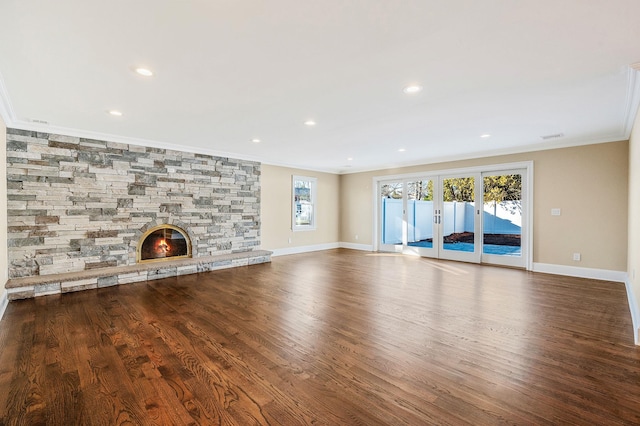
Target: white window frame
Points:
(297, 208)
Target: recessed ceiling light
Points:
(486, 135)
(412, 89)
(350, 159)
(310, 123)
(402, 150)
(144, 72)
(255, 140)
(115, 112)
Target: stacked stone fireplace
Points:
(81, 206)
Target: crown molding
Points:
(6, 109)
(562, 143)
(632, 99)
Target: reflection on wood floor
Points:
(336, 337)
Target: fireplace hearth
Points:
(162, 243)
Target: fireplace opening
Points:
(162, 243)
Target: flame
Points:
(163, 246)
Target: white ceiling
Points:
(227, 71)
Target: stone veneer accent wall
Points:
(77, 204)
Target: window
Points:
(304, 203)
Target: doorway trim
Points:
(528, 196)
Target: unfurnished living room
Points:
(335, 213)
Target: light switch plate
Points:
(555, 212)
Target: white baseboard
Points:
(599, 274)
(4, 302)
(320, 247)
(573, 271)
(353, 246)
(635, 311)
(303, 249)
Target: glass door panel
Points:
(458, 218)
(421, 229)
(393, 232)
(502, 218)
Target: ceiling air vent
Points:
(35, 120)
(554, 136)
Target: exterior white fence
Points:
(498, 218)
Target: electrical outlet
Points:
(356, 236)
(576, 256)
(289, 240)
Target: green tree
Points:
(458, 189)
(503, 188)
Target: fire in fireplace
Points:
(164, 242)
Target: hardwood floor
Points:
(338, 337)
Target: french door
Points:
(506, 217)
(409, 221)
(472, 216)
(459, 218)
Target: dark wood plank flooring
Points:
(338, 337)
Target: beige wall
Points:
(633, 261)
(275, 208)
(589, 184)
(4, 265)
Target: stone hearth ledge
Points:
(29, 287)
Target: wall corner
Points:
(634, 309)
